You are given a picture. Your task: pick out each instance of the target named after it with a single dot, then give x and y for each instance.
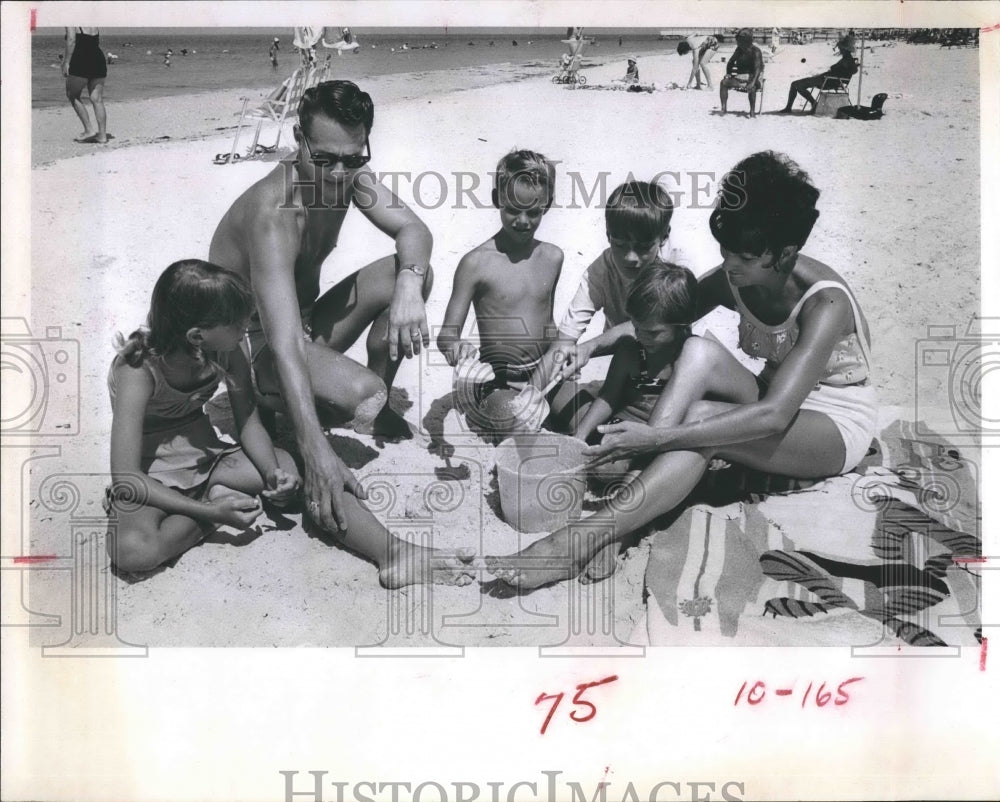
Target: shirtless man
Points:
(278, 234)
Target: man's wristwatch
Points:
(417, 269)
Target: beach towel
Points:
(885, 555)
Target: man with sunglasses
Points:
(278, 234)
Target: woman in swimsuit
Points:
(811, 412)
(85, 67)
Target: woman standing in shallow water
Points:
(85, 67)
(811, 412)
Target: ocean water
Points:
(223, 61)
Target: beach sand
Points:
(899, 219)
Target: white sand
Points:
(899, 219)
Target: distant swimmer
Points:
(166, 58)
(184, 51)
(272, 54)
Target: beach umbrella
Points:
(861, 68)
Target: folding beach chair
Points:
(285, 102)
(832, 94)
(761, 80)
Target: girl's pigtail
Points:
(135, 349)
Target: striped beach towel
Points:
(884, 555)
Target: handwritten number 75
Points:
(578, 701)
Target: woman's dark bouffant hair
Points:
(342, 101)
(188, 294)
(766, 202)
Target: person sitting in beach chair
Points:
(744, 71)
(569, 65)
(839, 75)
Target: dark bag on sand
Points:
(872, 112)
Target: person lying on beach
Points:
(277, 235)
(173, 480)
(699, 47)
(843, 70)
(810, 413)
(743, 71)
(637, 224)
(510, 279)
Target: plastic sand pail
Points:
(539, 491)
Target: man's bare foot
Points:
(603, 565)
(555, 558)
(409, 564)
(388, 424)
(86, 136)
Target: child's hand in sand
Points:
(238, 510)
(281, 487)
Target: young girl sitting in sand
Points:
(811, 413)
(173, 480)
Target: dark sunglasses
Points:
(350, 161)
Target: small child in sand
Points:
(173, 479)
(661, 306)
(510, 279)
(637, 219)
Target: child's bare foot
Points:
(215, 492)
(555, 558)
(409, 564)
(603, 565)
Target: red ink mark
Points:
(982, 654)
(578, 700)
(990, 29)
(968, 559)
(34, 558)
(822, 697)
(31, 22)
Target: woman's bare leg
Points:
(74, 93)
(95, 88)
(811, 447)
(704, 369)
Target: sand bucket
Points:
(539, 491)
